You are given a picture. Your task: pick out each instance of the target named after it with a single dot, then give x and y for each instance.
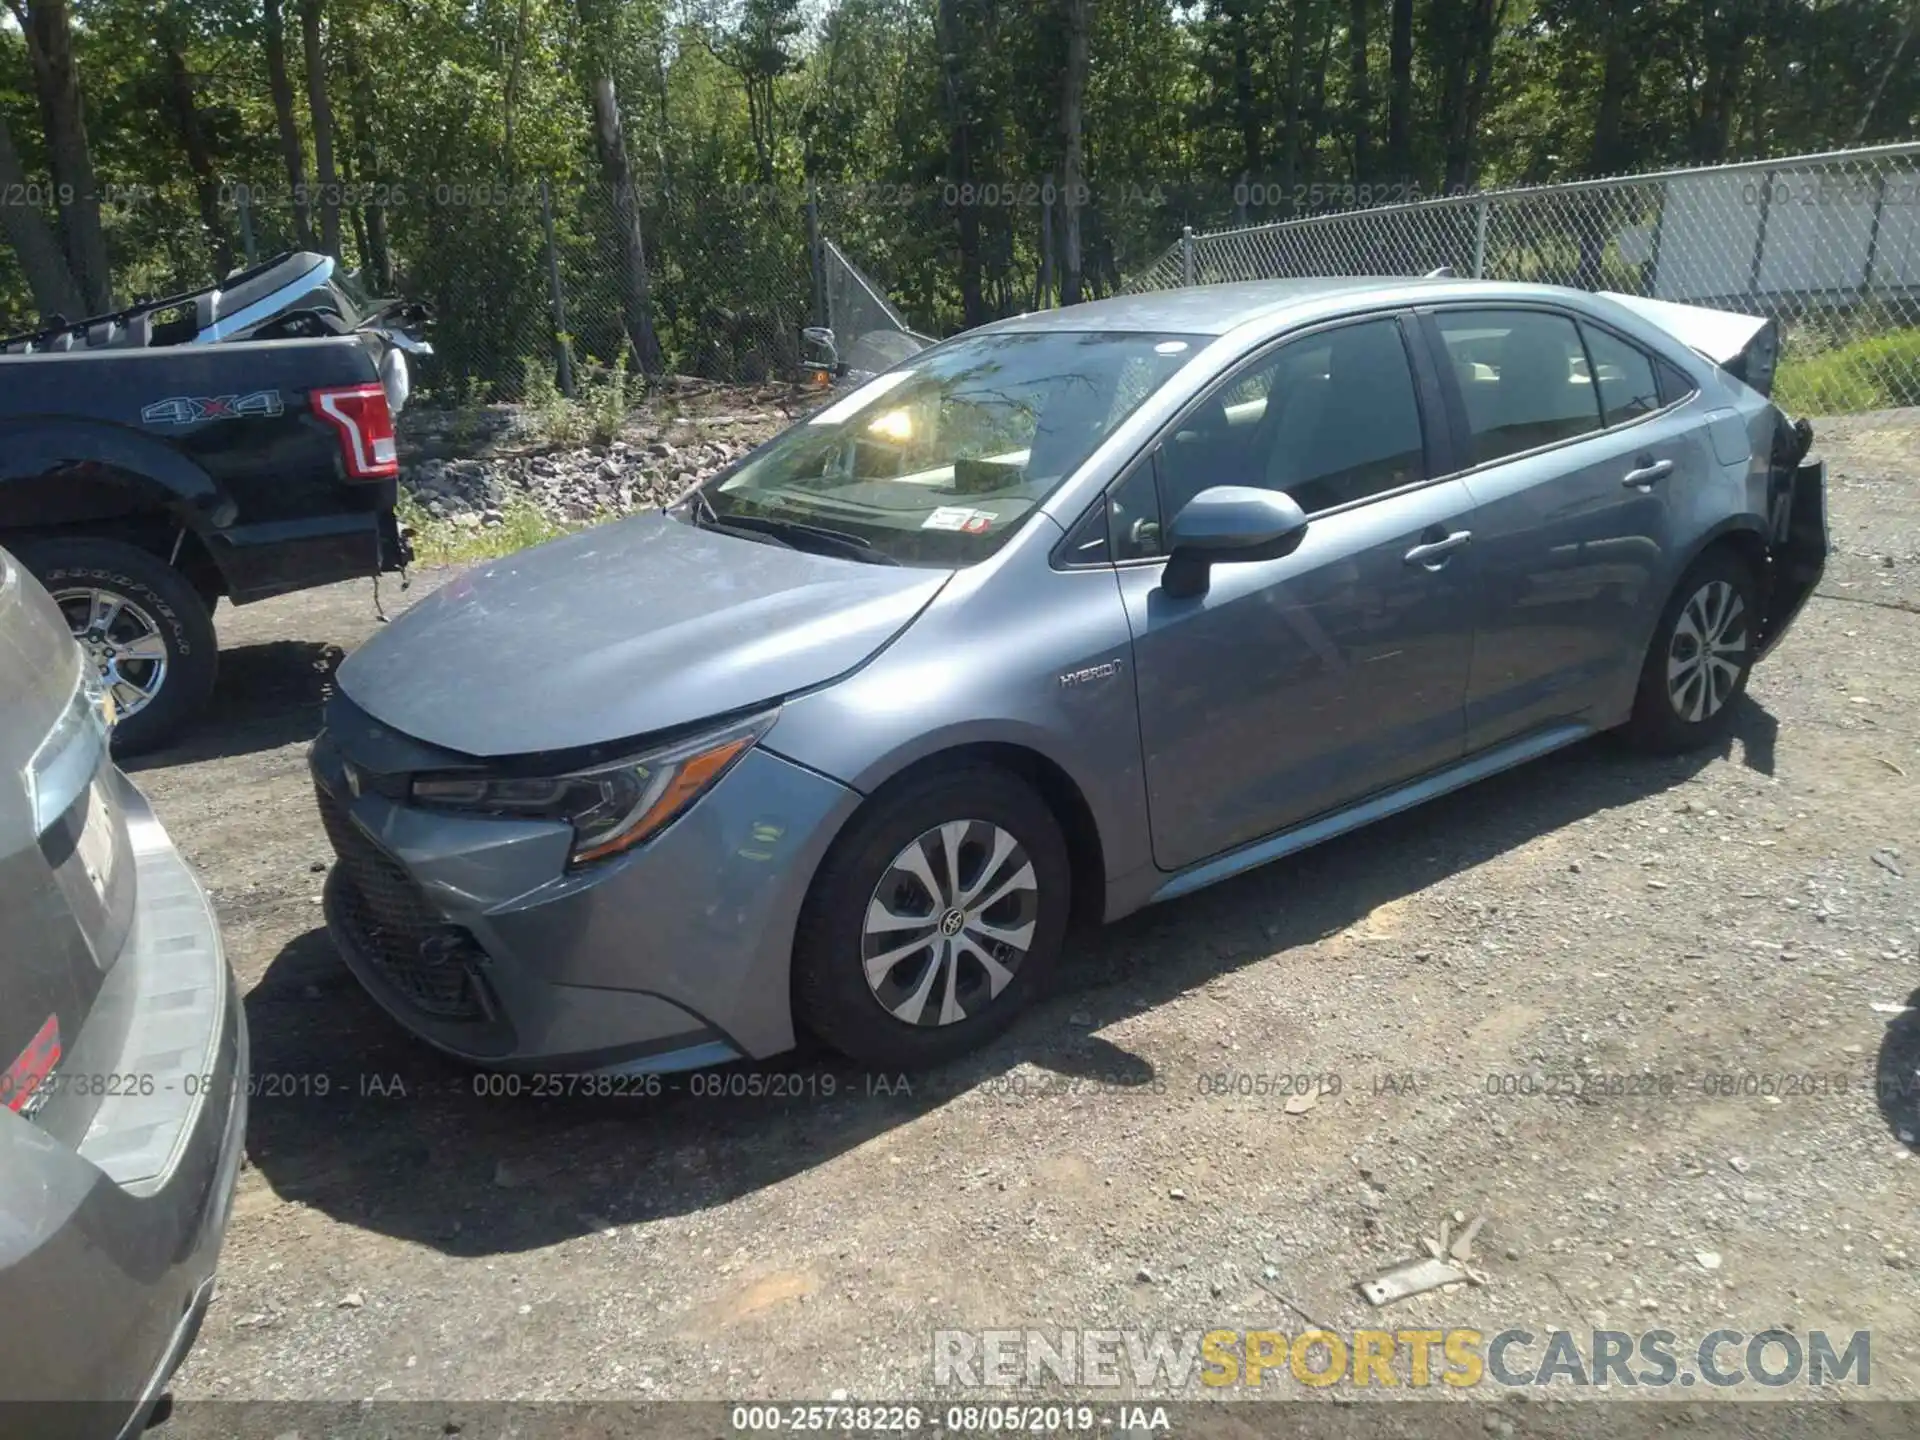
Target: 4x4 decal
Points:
(192, 409)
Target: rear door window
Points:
(1523, 379)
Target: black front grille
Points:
(430, 963)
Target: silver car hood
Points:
(623, 630)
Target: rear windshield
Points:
(939, 461)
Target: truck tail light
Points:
(361, 418)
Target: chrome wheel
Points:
(121, 641)
(949, 923)
(1708, 651)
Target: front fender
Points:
(1041, 660)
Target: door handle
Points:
(1647, 472)
(1433, 554)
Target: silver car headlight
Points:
(610, 807)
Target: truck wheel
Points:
(141, 624)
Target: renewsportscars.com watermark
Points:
(1167, 1361)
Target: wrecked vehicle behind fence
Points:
(236, 441)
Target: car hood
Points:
(629, 628)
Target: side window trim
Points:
(1457, 403)
(1445, 440)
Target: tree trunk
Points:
(1725, 44)
(973, 306)
(1359, 98)
(1471, 28)
(49, 35)
(1607, 156)
(1315, 124)
(1072, 121)
(322, 112)
(193, 139)
(293, 153)
(636, 290)
(1400, 93)
(370, 226)
(41, 258)
(1593, 217)
(1253, 159)
(1296, 75)
(1886, 74)
(510, 101)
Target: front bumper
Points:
(473, 934)
(116, 1259)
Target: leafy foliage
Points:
(931, 131)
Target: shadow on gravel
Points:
(355, 1118)
(266, 696)
(1897, 1075)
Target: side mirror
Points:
(1228, 523)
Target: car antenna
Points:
(1445, 272)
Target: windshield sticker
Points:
(961, 518)
(850, 405)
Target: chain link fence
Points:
(1827, 245)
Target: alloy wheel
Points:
(122, 642)
(949, 923)
(1708, 651)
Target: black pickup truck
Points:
(234, 441)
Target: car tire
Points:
(1702, 653)
(871, 900)
(157, 609)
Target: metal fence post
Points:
(1186, 255)
(816, 270)
(1480, 238)
(563, 343)
(1760, 235)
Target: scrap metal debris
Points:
(1449, 1263)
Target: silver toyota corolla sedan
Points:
(1073, 613)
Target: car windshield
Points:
(939, 461)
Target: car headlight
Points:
(610, 807)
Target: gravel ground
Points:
(1750, 914)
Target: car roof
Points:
(1217, 309)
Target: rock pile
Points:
(567, 486)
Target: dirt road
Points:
(1480, 988)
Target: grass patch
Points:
(1881, 373)
(441, 542)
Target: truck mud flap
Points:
(1799, 549)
